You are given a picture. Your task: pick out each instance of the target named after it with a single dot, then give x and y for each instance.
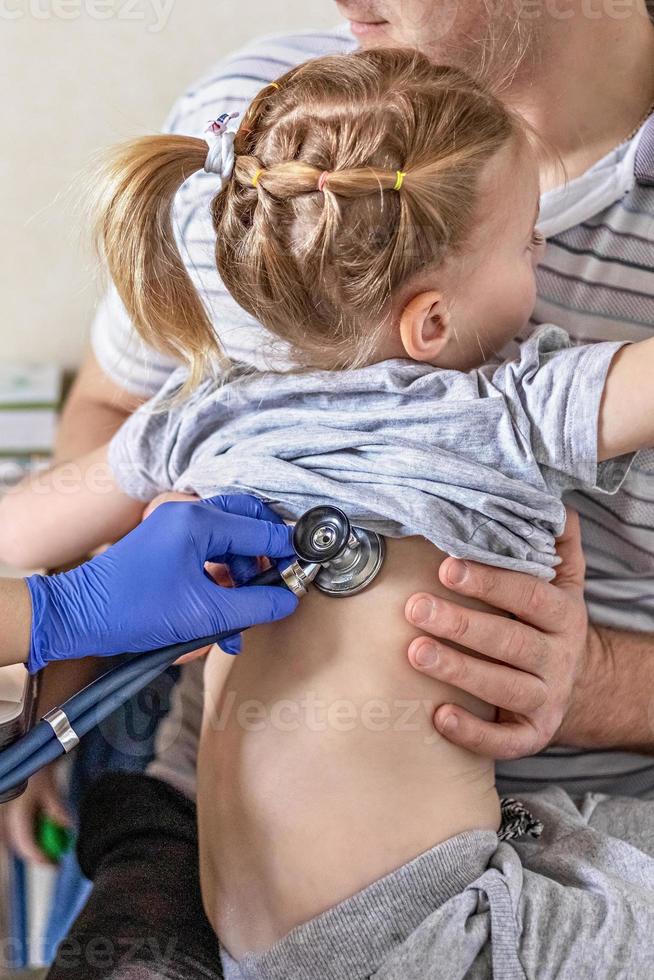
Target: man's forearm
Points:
(613, 701)
(95, 410)
(84, 426)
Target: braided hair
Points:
(352, 174)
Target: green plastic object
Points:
(53, 839)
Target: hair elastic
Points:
(274, 85)
(322, 180)
(220, 147)
(401, 174)
(255, 179)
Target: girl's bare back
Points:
(319, 769)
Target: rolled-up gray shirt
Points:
(476, 462)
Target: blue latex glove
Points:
(150, 590)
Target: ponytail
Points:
(132, 209)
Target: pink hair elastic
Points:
(322, 180)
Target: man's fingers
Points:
(532, 657)
(503, 687)
(493, 636)
(531, 599)
(508, 740)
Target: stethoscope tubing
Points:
(90, 707)
(102, 697)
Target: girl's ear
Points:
(425, 327)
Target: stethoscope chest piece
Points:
(339, 559)
(350, 558)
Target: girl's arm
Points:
(626, 421)
(59, 516)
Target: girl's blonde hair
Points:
(318, 267)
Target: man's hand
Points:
(535, 659)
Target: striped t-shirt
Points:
(596, 280)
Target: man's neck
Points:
(586, 83)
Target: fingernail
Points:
(426, 655)
(450, 724)
(422, 611)
(457, 572)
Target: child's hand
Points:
(170, 496)
(18, 823)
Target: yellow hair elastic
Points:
(274, 85)
(255, 179)
(400, 180)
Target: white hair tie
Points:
(220, 158)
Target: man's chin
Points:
(372, 35)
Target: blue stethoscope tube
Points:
(323, 538)
(98, 700)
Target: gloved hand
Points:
(150, 590)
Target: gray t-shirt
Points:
(475, 462)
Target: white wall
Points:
(69, 85)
